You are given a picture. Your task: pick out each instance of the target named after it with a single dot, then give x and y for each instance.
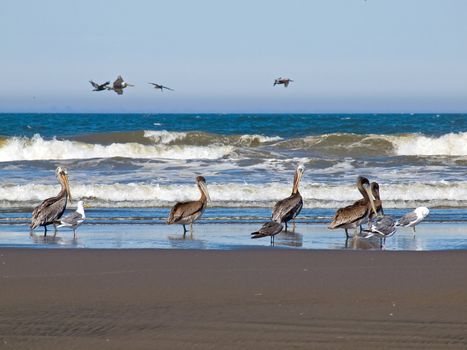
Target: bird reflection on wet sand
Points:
(363, 243)
(52, 240)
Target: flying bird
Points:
(99, 87)
(270, 228)
(73, 220)
(413, 218)
(52, 209)
(118, 85)
(287, 209)
(282, 81)
(184, 213)
(161, 87)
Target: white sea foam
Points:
(259, 138)
(164, 136)
(453, 144)
(37, 148)
(239, 194)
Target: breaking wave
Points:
(200, 145)
(433, 194)
(37, 148)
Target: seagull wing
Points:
(407, 219)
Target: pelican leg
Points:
(293, 227)
(347, 234)
(45, 230)
(346, 242)
(74, 233)
(286, 226)
(55, 230)
(191, 227)
(184, 229)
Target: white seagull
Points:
(75, 219)
(413, 218)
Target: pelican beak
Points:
(371, 197)
(67, 185)
(204, 188)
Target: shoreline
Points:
(262, 299)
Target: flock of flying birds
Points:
(119, 84)
(367, 210)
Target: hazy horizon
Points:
(345, 56)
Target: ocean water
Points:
(139, 165)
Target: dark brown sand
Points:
(252, 299)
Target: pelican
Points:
(287, 209)
(184, 213)
(353, 216)
(161, 87)
(374, 188)
(270, 228)
(73, 220)
(118, 85)
(51, 209)
(413, 218)
(99, 87)
(282, 81)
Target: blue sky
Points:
(222, 56)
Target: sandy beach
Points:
(256, 299)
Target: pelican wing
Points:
(94, 84)
(407, 219)
(183, 210)
(349, 214)
(167, 88)
(270, 228)
(118, 83)
(288, 208)
(48, 211)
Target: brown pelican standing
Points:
(287, 209)
(353, 216)
(282, 81)
(99, 87)
(118, 85)
(51, 209)
(270, 228)
(374, 189)
(184, 213)
(161, 87)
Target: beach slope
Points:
(243, 299)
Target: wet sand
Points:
(241, 299)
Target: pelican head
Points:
(298, 176)
(364, 187)
(375, 190)
(62, 176)
(201, 181)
